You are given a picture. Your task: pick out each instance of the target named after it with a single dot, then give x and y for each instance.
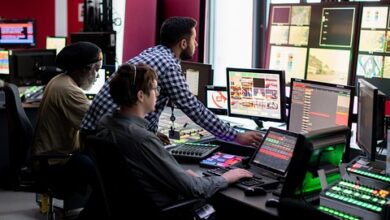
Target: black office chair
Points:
(117, 187)
(20, 134)
(21, 175)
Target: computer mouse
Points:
(255, 191)
(272, 203)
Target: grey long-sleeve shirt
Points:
(162, 178)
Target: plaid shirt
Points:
(173, 87)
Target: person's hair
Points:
(174, 29)
(124, 88)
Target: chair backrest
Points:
(20, 131)
(117, 185)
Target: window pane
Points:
(230, 36)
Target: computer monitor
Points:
(276, 151)
(216, 99)
(104, 73)
(105, 40)
(26, 65)
(4, 62)
(257, 94)
(316, 105)
(56, 43)
(198, 76)
(322, 149)
(17, 32)
(371, 116)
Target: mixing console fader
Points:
(191, 152)
(356, 200)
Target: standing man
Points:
(178, 42)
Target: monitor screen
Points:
(276, 150)
(328, 65)
(216, 99)
(257, 94)
(337, 27)
(56, 43)
(315, 105)
(17, 33)
(103, 74)
(4, 62)
(198, 76)
(371, 116)
(26, 65)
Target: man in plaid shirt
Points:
(178, 42)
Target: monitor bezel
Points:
(21, 21)
(375, 92)
(298, 143)
(13, 67)
(282, 103)
(351, 88)
(218, 89)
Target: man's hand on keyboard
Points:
(252, 138)
(234, 175)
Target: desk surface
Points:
(233, 193)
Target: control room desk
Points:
(232, 201)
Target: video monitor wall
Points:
(312, 41)
(373, 58)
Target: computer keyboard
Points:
(245, 183)
(192, 152)
(251, 181)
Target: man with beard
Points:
(178, 42)
(64, 103)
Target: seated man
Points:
(64, 103)
(62, 108)
(134, 89)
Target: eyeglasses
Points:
(157, 89)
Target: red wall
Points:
(74, 25)
(186, 8)
(139, 27)
(42, 11)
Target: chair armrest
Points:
(181, 204)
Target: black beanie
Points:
(78, 55)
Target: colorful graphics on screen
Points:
(369, 66)
(290, 59)
(255, 94)
(4, 63)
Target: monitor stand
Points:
(260, 125)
